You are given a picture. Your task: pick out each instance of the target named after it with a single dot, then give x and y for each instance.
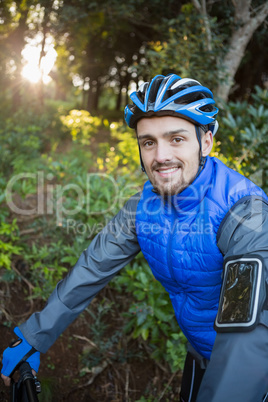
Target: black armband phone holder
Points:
(242, 295)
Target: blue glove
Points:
(14, 355)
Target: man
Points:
(202, 228)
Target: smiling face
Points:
(170, 152)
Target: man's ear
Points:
(207, 143)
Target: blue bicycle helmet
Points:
(173, 96)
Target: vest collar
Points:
(191, 197)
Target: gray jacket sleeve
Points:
(114, 247)
(238, 369)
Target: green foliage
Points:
(105, 341)
(98, 328)
(3, 183)
(8, 243)
(81, 125)
(243, 136)
(68, 165)
(102, 50)
(46, 268)
(84, 202)
(151, 316)
(80, 201)
(49, 389)
(23, 138)
(123, 158)
(184, 50)
(176, 350)
(18, 145)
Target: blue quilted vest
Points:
(178, 239)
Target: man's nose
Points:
(163, 153)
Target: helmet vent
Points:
(185, 83)
(207, 108)
(154, 90)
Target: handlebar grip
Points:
(28, 379)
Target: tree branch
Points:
(202, 9)
(238, 43)
(242, 10)
(207, 26)
(197, 5)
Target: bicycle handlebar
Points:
(26, 389)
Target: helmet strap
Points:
(202, 159)
(142, 165)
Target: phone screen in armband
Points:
(238, 306)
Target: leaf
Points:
(161, 315)
(141, 317)
(145, 333)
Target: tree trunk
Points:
(119, 96)
(42, 54)
(247, 23)
(97, 93)
(84, 97)
(90, 98)
(41, 83)
(17, 43)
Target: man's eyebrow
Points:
(166, 134)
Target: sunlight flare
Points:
(34, 70)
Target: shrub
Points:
(8, 243)
(81, 125)
(151, 315)
(243, 136)
(125, 155)
(45, 267)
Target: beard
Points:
(173, 184)
(169, 188)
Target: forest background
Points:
(68, 163)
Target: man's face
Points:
(170, 152)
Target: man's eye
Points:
(148, 144)
(177, 139)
